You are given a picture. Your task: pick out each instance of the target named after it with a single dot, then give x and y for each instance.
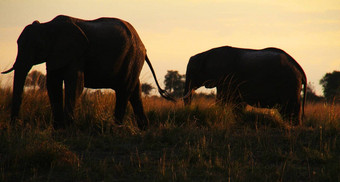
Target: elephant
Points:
(262, 78)
(100, 53)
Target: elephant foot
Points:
(58, 125)
(119, 122)
(297, 122)
(142, 126)
(292, 120)
(142, 123)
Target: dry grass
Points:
(323, 114)
(202, 142)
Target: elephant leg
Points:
(54, 85)
(188, 92)
(121, 103)
(292, 112)
(219, 96)
(188, 98)
(223, 96)
(74, 85)
(137, 105)
(296, 113)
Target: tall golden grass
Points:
(202, 142)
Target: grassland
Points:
(198, 143)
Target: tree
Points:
(311, 95)
(36, 78)
(331, 86)
(174, 83)
(146, 88)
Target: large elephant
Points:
(102, 53)
(267, 78)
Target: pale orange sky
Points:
(173, 31)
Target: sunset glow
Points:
(172, 31)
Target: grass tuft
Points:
(202, 142)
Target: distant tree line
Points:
(146, 88)
(331, 86)
(311, 95)
(174, 84)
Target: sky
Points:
(175, 30)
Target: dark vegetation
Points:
(174, 83)
(198, 143)
(331, 86)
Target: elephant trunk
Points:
(188, 95)
(18, 87)
(188, 89)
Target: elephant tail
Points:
(304, 82)
(163, 93)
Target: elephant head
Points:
(44, 42)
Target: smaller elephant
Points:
(266, 78)
(101, 53)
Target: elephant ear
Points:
(69, 43)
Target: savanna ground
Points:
(198, 143)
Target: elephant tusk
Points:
(10, 70)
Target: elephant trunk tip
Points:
(8, 71)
